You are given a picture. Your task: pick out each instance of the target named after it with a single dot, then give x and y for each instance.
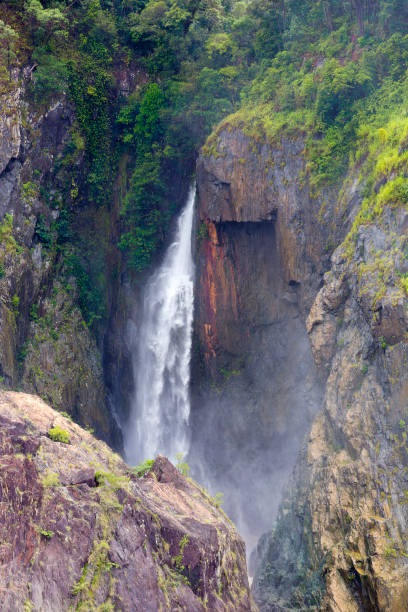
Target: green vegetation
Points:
(50, 479)
(57, 434)
(143, 468)
(111, 481)
(8, 243)
(8, 56)
(150, 80)
(218, 499)
(178, 560)
(181, 465)
(331, 84)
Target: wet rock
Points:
(264, 245)
(339, 542)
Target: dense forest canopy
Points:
(330, 68)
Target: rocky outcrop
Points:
(263, 243)
(46, 346)
(79, 530)
(264, 264)
(340, 540)
(61, 363)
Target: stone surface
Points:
(340, 538)
(262, 250)
(339, 541)
(79, 530)
(45, 346)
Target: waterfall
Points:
(161, 405)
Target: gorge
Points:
(252, 330)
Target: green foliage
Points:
(43, 232)
(57, 434)
(8, 44)
(178, 559)
(34, 312)
(15, 303)
(50, 79)
(7, 240)
(50, 479)
(22, 354)
(110, 480)
(202, 232)
(181, 465)
(46, 533)
(45, 23)
(91, 89)
(143, 468)
(91, 295)
(81, 585)
(218, 499)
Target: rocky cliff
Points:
(263, 245)
(298, 330)
(80, 530)
(47, 345)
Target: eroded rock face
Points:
(339, 542)
(79, 530)
(45, 345)
(262, 250)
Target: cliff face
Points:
(45, 345)
(91, 534)
(262, 252)
(338, 543)
(343, 524)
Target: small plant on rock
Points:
(218, 499)
(57, 434)
(143, 468)
(181, 465)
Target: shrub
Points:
(181, 465)
(57, 434)
(143, 468)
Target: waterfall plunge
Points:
(161, 404)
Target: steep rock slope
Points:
(46, 346)
(263, 246)
(340, 539)
(91, 535)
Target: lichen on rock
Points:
(92, 535)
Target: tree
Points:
(45, 23)
(8, 39)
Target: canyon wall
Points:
(292, 333)
(263, 244)
(47, 345)
(340, 538)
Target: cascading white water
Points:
(161, 405)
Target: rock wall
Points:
(293, 333)
(263, 246)
(340, 540)
(45, 345)
(93, 535)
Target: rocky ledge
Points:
(79, 530)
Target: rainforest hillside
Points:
(292, 118)
(148, 82)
